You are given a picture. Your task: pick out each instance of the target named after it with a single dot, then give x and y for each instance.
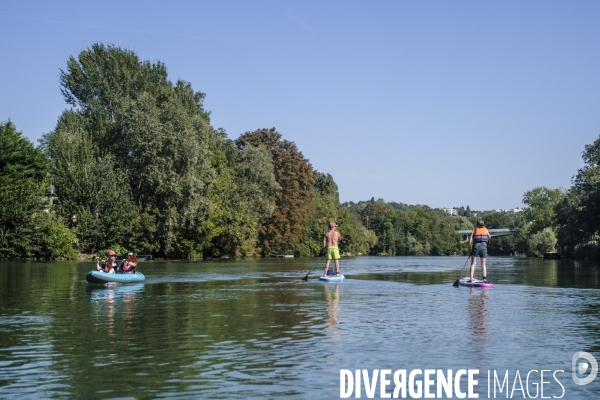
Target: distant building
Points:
(512, 211)
(451, 211)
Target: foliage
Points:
(27, 228)
(326, 209)
(542, 242)
(242, 199)
(58, 240)
(137, 165)
(356, 237)
(577, 211)
(136, 137)
(293, 204)
(410, 230)
(93, 195)
(462, 224)
(541, 208)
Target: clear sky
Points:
(444, 103)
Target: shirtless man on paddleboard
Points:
(330, 243)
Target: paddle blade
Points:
(455, 283)
(305, 279)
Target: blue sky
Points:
(440, 103)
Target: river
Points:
(254, 329)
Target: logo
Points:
(582, 368)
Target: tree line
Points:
(137, 165)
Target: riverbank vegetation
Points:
(137, 165)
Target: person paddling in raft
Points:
(129, 265)
(330, 244)
(481, 237)
(109, 266)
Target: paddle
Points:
(305, 279)
(456, 282)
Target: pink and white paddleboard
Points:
(475, 283)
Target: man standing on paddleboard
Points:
(481, 237)
(330, 244)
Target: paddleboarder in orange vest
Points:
(481, 237)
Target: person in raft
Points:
(330, 243)
(110, 265)
(481, 237)
(129, 266)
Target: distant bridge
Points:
(493, 232)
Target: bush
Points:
(542, 242)
(59, 240)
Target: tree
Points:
(293, 204)
(468, 212)
(496, 220)
(462, 223)
(326, 204)
(577, 211)
(542, 242)
(152, 139)
(27, 227)
(94, 195)
(371, 210)
(356, 237)
(242, 199)
(541, 208)
(444, 240)
(260, 189)
(101, 82)
(168, 163)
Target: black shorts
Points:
(479, 250)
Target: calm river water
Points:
(253, 329)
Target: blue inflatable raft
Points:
(103, 277)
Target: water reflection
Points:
(478, 314)
(109, 300)
(332, 297)
(242, 329)
(124, 292)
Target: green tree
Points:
(153, 136)
(496, 220)
(356, 237)
(168, 163)
(242, 198)
(326, 204)
(444, 239)
(28, 228)
(500, 245)
(462, 223)
(577, 212)
(541, 208)
(371, 210)
(22, 179)
(293, 204)
(94, 196)
(260, 186)
(468, 212)
(542, 242)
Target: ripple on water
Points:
(254, 330)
